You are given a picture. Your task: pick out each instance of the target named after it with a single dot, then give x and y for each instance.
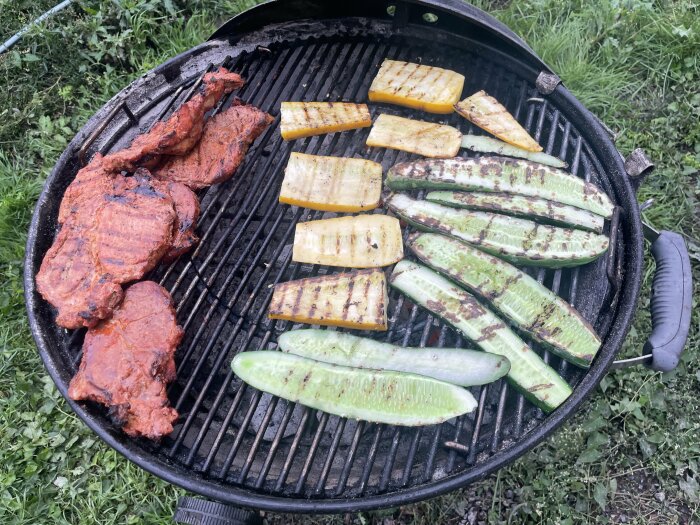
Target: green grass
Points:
(631, 455)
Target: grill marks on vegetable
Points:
(353, 300)
(331, 183)
(414, 136)
(460, 309)
(376, 396)
(361, 241)
(498, 174)
(489, 114)
(305, 119)
(427, 88)
(453, 365)
(515, 239)
(540, 313)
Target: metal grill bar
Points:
(312, 452)
(275, 445)
(349, 457)
(264, 424)
(370, 458)
(340, 428)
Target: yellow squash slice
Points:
(415, 136)
(351, 300)
(362, 241)
(331, 183)
(304, 119)
(490, 115)
(416, 86)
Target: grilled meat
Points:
(187, 212)
(224, 143)
(89, 184)
(175, 136)
(134, 229)
(118, 232)
(117, 228)
(72, 282)
(128, 361)
(178, 134)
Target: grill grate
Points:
(241, 437)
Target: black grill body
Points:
(237, 445)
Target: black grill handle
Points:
(671, 303)
(196, 511)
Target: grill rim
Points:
(604, 150)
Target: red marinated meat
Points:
(128, 361)
(178, 134)
(110, 239)
(224, 143)
(134, 229)
(187, 212)
(175, 136)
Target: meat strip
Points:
(178, 134)
(225, 141)
(128, 362)
(113, 237)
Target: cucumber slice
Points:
(536, 310)
(521, 206)
(394, 398)
(517, 240)
(533, 377)
(454, 365)
(500, 174)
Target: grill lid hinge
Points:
(638, 166)
(547, 82)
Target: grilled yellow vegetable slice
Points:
(362, 241)
(427, 88)
(331, 183)
(490, 115)
(304, 119)
(415, 136)
(351, 300)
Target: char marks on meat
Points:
(187, 213)
(70, 280)
(91, 182)
(178, 134)
(113, 237)
(134, 229)
(128, 361)
(224, 143)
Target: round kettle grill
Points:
(242, 447)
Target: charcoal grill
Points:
(242, 447)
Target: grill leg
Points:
(195, 511)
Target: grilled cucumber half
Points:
(394, 398)
(536, 209)
(528, 373)
(458, 366)
(529, 305)
(499, 174)
(517, 240)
